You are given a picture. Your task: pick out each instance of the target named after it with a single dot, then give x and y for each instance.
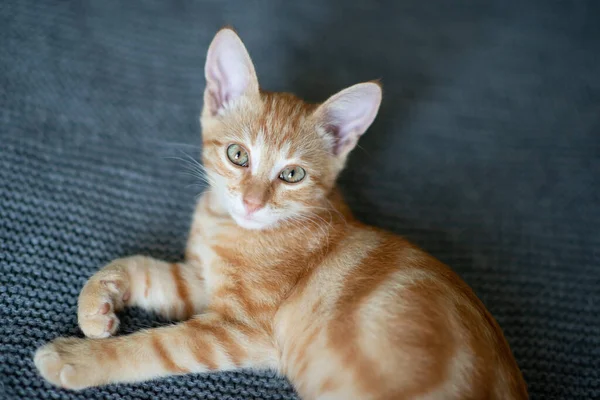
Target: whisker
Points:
(308, 218)
(194, 175)
(194, 167)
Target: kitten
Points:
(279, 275)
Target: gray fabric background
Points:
(486, 153)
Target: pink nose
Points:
(252, 205)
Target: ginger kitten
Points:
(279, 275)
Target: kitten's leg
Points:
(204, 343)
(175, 291)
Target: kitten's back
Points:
(380, 317)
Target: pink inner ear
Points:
(225, 82)
(341, 141)
(348, 114)
(215, 100)
(229, 71)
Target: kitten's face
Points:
(270, 157)
(268, 162)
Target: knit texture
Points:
(486, 153)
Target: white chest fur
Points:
(208, 227)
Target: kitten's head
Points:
(271, 157)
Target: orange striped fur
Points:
(296, 285)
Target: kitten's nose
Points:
(252, 204)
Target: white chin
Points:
(249, 223)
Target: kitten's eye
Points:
(237, 155)
(292, 174)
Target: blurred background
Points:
(486, 153)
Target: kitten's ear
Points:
(347, 114)
(229, 72)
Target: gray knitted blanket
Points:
(486, 153)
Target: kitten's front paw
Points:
(98, 301)
(62, 364)
(100, 324)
